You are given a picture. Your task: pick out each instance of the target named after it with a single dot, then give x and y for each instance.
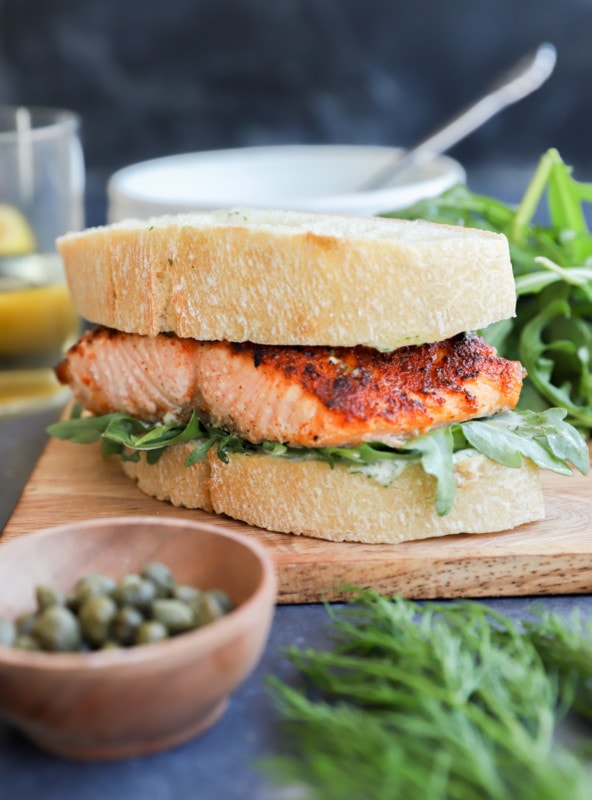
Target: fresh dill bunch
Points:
(430, 702)
(565, 647)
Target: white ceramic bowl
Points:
(310, 177)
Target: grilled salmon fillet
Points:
(302, 396)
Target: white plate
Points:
(311, 177)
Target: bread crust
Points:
(279, 277)
(311, 499)
(170, 480)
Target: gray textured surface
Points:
(218, 766)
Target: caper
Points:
(91, 585)
(110, 645)
(48, 596)
(161, 576)
(96, 615)
(213, 605)
(222, 599)
(7, 632)
(125, 623)
(150, 631)
(188, 594)
(57, 629)
(24, 623)
(175, 615)
(26, 642)
(135, 591)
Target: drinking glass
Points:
(41, 197)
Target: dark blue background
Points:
(152, 78)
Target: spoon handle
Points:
(521, 80)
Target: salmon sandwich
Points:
(307, 373)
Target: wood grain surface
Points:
(554, 556)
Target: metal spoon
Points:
(525, 77)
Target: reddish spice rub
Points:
(304, 396)
(398, 393)
(361, 381)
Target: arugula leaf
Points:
(535, 282)
(81, 430)
(550, 341)
(507, 446)
(119, 431)
(436, 450)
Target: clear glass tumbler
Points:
(41, 197)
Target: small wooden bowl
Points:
(121, 703)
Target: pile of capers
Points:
(101, 613)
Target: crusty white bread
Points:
(294, 278)
(310, 498)
(170, 480)
(288, 277)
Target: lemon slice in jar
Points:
(16, 236)
(37, 318)
(36, 312)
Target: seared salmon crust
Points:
(298, 395)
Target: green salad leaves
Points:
(552, 263)
(449, 701)
(544, 437)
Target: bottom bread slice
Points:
(312, 499)
(170, 480)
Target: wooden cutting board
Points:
(554, 556)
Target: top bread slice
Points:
(289, 277)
